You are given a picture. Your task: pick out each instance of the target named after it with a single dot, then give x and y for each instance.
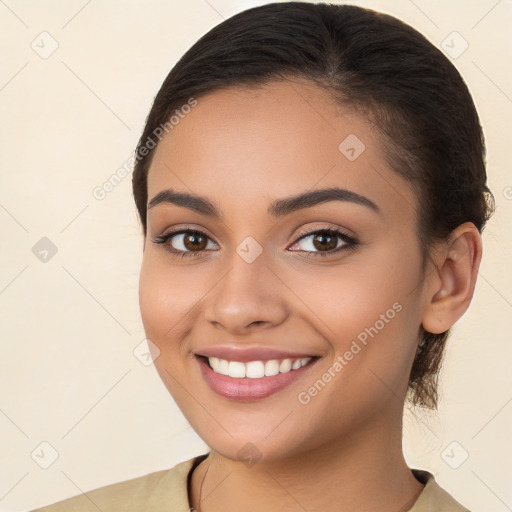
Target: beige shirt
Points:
(167, 491)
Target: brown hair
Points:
(375, 63)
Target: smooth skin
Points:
(242, 149)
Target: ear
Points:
(451, 284)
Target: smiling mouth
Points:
(256, 369)
(252, 380)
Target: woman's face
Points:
(249, 280)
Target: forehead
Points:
(272, 141)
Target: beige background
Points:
(70, 325)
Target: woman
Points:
(312, 190)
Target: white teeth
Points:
(256, 369)
(236, 369)
(271, 368)
(285, 366)
(296, 364)
(223, 366)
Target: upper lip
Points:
(245, 354)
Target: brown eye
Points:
(195, 241)
(185, 242)
(325, 242)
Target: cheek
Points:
(165, 306)
(351, 297)
(372, 342)
(368, 313)
(164, 300)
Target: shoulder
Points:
(434, 498)
(161, 490)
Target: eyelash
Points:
(350, 242)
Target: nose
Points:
(246, 298)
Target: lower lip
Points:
(250, 389)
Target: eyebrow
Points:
(278, 208)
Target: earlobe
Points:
(452, 283)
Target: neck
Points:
(364, 470)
